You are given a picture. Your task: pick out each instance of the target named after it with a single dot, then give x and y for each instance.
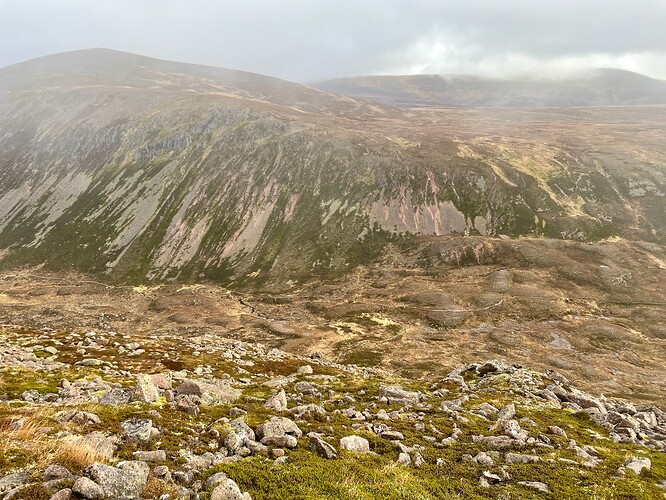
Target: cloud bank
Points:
(308, 40)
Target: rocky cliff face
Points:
(140, 170)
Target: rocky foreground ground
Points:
(91, 415)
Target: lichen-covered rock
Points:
(89, 489)
(210, 393)
(124, 482)
(278, 426)
(397, 395)
(356, 444)
(277, 402)
(227, 489)
(321, 447)
(637, 464)
(13, 480)
(145, 389)
(138, 428)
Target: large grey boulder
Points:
(145, 389)
(11, 481)
(210, 392)
(278, 426)
(227, 489)
(321, 447)
(87, 488)
(637, 464)
(124, 482)
(277, 402)
(397, 395)
(138, 428)
(356, 444)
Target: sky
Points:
(312, 40)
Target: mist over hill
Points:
(599, 87)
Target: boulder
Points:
(11, 481)
(227, 489)
(87, 488)
(277, 402)
(278, 426)
(77, 417)
(64, 494)
(215, 479)
(397, 395)
(516, 458)
(536, 486)
(124, 482)
(210, 393)
(286, 441)
(56, 472)
(507, 413)
(493, 366)
(637, 464)
(145, 389)
(321, 447)
(356, 444)
(138, 428)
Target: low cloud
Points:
(306, 40)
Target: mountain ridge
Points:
(597, 87)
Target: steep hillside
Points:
(601, 87)
(138, 169)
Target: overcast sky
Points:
(308, 40)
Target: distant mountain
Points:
(147, 170)
(600, 87)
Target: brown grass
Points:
(26, 439)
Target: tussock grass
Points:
(26, 443)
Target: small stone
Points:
(516, 458)
(397, 395)
(557, 431)
(286, 441)
(507, 413)
(305, 370)
(392, 435)
(483, 459)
